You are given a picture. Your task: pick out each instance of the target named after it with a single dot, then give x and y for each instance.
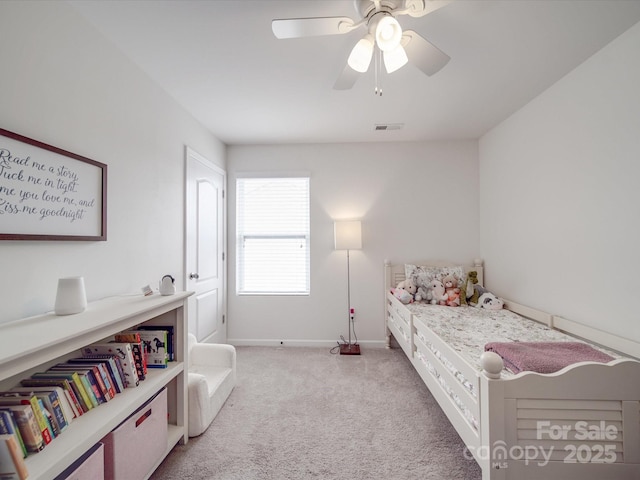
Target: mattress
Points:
(468, 329)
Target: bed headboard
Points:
(394, 273)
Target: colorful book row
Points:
(42, 407)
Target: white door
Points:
(205, 248)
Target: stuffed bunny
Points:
(437, 292)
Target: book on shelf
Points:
(155, 346)
(37, 407)
(102, 379)
(95, 376)
(113, 365)
(170, 337)
(125, 354)
(61, 383)
(74, 382)
(8, 426)
(28, 426)
(139, 353)
(12, 464)
(109, 389)
(139, 358)
(48, 420)
(87, 379)
(55, 401)
(102, 369)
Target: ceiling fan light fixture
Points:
(388, 33)
(395, 59)
(396, 47)
(361, 55)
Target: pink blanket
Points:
(544, 357)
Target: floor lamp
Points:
(348, 236)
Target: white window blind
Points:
(272, 227)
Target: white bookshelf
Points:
(33, 344)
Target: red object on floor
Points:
(349, 349)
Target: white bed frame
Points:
(580, 423)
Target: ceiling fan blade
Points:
(311, 27)
(422, 53)
(420, 8)
(347, 79)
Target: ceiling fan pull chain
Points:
(375, 73)
(376, 68)
(379, 72)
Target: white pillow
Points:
(423, 275)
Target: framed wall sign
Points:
(47, 193)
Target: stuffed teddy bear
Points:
(408, 285)
(437, 293)
(489, 301)
(405, 291)
(467, 290)
(452, 291)
(402, 295)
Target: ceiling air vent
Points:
(388, 126)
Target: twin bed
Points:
(581, 422)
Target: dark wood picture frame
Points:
(45, 194)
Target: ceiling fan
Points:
(397, 47)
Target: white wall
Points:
(64, 84)
(559, 195)
(416, 201)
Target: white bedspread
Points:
(468, 329)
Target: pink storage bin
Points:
(137, 444)
(88, 467)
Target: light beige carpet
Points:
(304, 413)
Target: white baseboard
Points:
(247, 342)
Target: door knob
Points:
(194, 276)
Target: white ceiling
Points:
(221, 61)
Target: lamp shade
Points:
(388, 33)
(348, 235)
(395, 59)
(360, 56)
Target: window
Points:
(272, 235)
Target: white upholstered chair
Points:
(212, 376)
